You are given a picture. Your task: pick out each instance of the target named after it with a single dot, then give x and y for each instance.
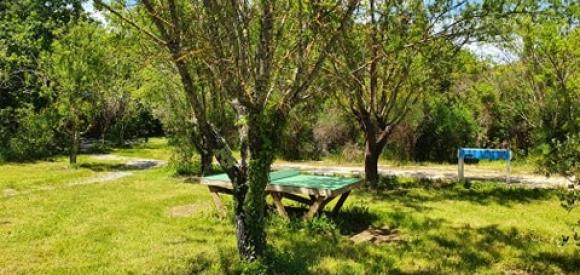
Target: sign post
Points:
(460, 169)
(490, 154)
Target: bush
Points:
(442, 131)
(297, 140)
(35, 137)
(333, 130)
(182, 157)
(401, 143)
(352, 153)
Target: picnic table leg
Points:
(317, 202)
(340, 202)
(218, 202)
(460, 168)
(324, 203)
(279, 206)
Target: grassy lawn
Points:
(129, 225)
(517, 166)
(156, 148)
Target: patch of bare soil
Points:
(9, 192)
(379, 235)
(109, 157)
(187, 210)
(104, 177)
(144, 163)
(130, 163)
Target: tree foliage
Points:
(27, 30)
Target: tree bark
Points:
(372, 154)
(251, 196)
(74, 148)
(206, 160)
(376, 139)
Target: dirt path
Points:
(432, 173)
(130, 164)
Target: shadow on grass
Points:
(503, 195)
(569, 263)
(349, 220)
(106, 167)
(429, 246)
(416, 193)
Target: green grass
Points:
(156, 148)
(518, 166)
(23, 176)
(123, 226)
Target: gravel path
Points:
(433, 173)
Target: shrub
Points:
(297, 141)
(401, 143)
(352, 153)
(35, 137)
(333, 130)
(182, 157)
(442, 131)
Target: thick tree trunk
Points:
(250, 209)
(372, 154)
(250, 212)
(376, 139)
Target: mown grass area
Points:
(517, 166)
(46, 174)
(155, 148)
(127, 226)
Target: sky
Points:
(97, 15)
(491, 52)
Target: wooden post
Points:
(460, 169)
(509, 167)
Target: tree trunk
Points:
(250, 212)
(374, 147)
(372, 154)
(122, 135)
(250, 208)
(103, 134)
(74, 148)
(206, 155)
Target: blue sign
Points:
(491, 154)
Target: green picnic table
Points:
(314, 191)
